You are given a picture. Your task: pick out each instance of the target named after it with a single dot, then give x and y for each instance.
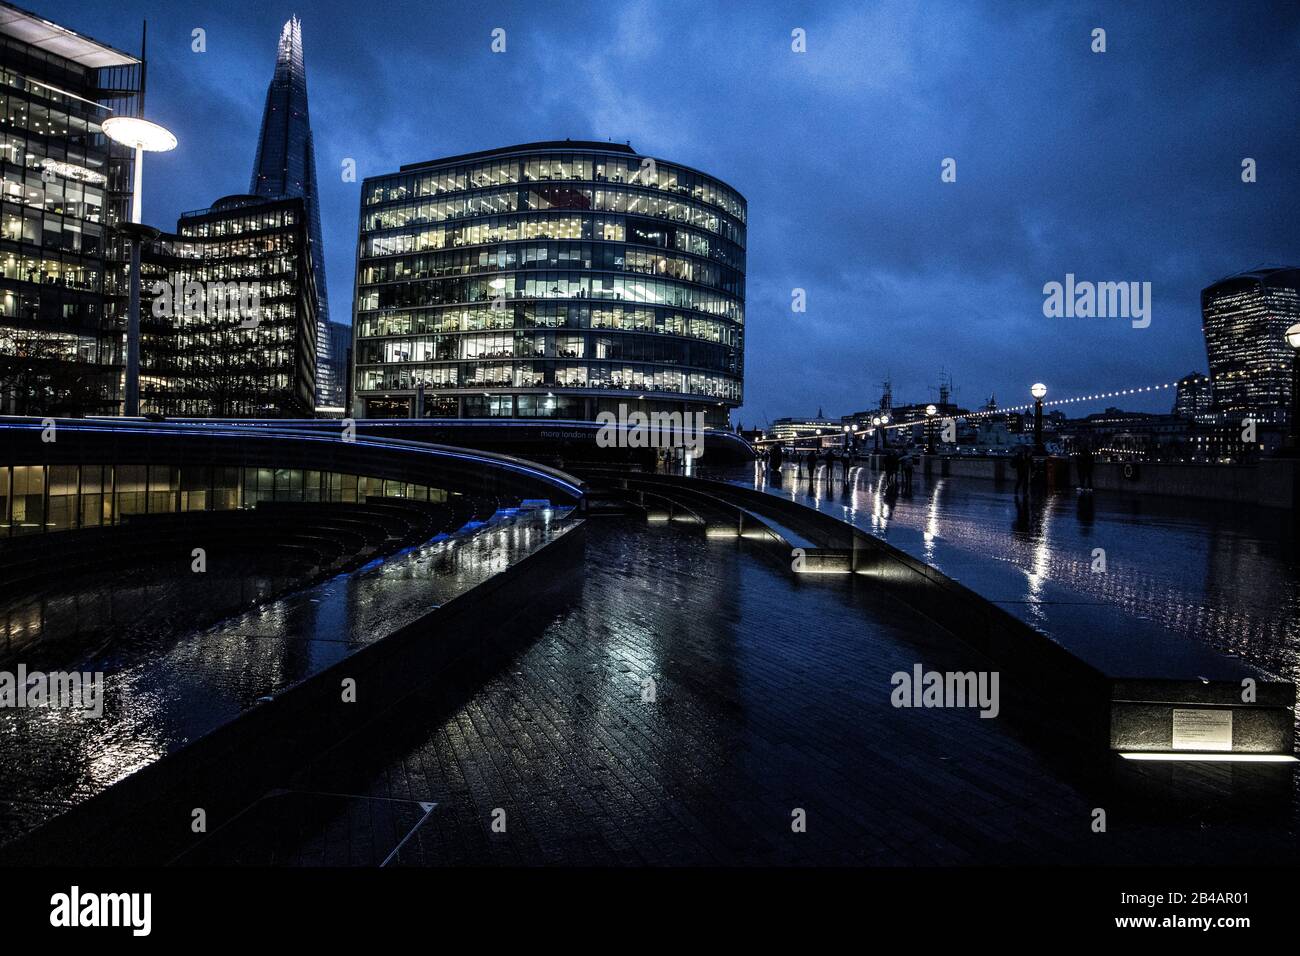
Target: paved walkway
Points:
(771, 695)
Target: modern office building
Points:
(228, 322)
(1245, 318)
(556, 279)
(286, 166)
(340, 366)
(65, 189)
(1195, 396)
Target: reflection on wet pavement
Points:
(1222, 576)
(771, 692)
(166, 687)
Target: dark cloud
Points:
(1120, 166)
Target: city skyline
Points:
(1115, 166)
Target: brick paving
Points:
(771, 694)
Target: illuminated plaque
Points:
(1202, 729)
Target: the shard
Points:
(286, 166)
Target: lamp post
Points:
(143, 137)
(847, 430)
(1039, 391)
(884, 437)
(930, 412)
(875, 430)
(1293, 340)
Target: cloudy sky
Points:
(1117, 166)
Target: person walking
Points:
(1086, 459)
(1021, 463)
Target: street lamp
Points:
(847, 430)
(875, 430)
(143, 137)
(884, 437)
(1293, 340)
(930, 412)
(1039, 391)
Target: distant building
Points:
(228, 313)
(286, 166)
(1245, 318)
(790, 429)
(340, 348)
(65, 187)
(1195, 398)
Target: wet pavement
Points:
(771, 695)
(167, 682)
(1195, 573)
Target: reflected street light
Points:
(1039, 391)
(143, 137)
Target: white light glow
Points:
(1208, 757)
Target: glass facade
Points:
(552, 279)
(208, 358)
(286, 166)
(40, 498)
(1245, 318)
(63, 189)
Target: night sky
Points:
(1120, 166)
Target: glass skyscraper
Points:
(286, 166)
(1245, 318)
(65, 188)
(556, 279)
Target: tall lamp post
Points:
(1293, 340)
(930, 412)
(884, 436)
(1039, 391)
(875, 429)
(143, 137)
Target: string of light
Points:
(1078, 399)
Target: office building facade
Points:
(228, 318)
(1245, 318)
(555, 280)
(285, 166)
(65, 189)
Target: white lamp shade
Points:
(139, 134)
(1293, 336)
(931, 410)
(1038, 390)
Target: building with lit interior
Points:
(1245, 318)
(556, 279)
(285, 166)
(65, 188)
(228, 317)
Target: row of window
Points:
(554, 225)
(549, 375)
(548, 285)
(501, 201)
(40, 498)
(563, 167)
(629, 347)
(563, 255)
(545, 315)
(256, 219)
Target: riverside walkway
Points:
(1225, 577)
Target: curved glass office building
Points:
(553, 280)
